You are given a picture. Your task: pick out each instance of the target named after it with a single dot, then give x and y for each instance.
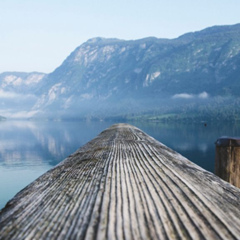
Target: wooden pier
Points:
(124, 185)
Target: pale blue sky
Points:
(37, 35)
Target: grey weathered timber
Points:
(227, 160)
(124, 185)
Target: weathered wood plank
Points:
(124, 185)
(227, 160)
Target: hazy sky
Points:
(37, 35)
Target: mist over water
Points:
(28, 149)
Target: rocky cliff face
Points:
(112, 76)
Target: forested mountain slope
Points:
(198, 71)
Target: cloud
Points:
(4, 94)
(15, 105)
(12, 95)
(203, 95)
(22, 114)
(183, 95)
(86, 96)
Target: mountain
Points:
(112, 77)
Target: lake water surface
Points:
(28, 149)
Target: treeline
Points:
(215, 109)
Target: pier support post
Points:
(227, 160)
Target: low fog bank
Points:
(182, 105)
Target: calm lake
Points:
(28, 149)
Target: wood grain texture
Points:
(124, 185)
(227, 160)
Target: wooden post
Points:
(124, 185)
(227, 160)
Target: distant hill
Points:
(198, 72)
(18, 93)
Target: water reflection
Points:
(194, 141)
(28, 149)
